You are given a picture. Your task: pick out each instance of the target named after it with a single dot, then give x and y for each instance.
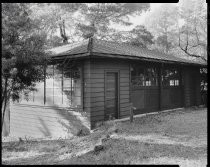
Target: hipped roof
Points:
(100, 48)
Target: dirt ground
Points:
(177, 137)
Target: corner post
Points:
(160, 85)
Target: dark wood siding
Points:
(191, 82)
(153, 98)
(87, 91)
(198, 86)
(94, 95)
(171, 97)
(111, 95)
(145, 99)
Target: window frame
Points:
(176, 79)
(145, 83)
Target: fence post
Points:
(131, 112)
(132, 108)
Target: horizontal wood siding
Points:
(86, 93)
(94, 95)
(145, 99)
(39, 121)
(125, 91)
(191, 82)
(197, 86)
(186, 82)
(154, 98)
(171, 97)
(94, 92)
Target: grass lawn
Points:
(178, 137)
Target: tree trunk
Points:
(5, 103)
(167, 48)
(63, 32)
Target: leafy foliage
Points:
(56, 18)
(22, 51)
(140, 36)
(75, 21)
(163, 43)
(55, 41)
(162, 23)
(99, 16)
(192, 34)
(180, 28)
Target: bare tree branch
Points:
(186, 48)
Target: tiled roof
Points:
(117, 49)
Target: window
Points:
(63, 87)
(151, 77)
(137, 76)
(144, 76)
(170, 77)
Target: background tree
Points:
(163, 43)
(74, 21)
(54, 41)
(56, 19)
(140, 36)
(162, 22)
(192, 34)
(22, 52)
(99, 16)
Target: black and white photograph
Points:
(104, 83)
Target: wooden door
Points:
(111, 95)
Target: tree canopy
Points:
(140, 36)
(180, 28)
(23, 50)
(76, 21)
